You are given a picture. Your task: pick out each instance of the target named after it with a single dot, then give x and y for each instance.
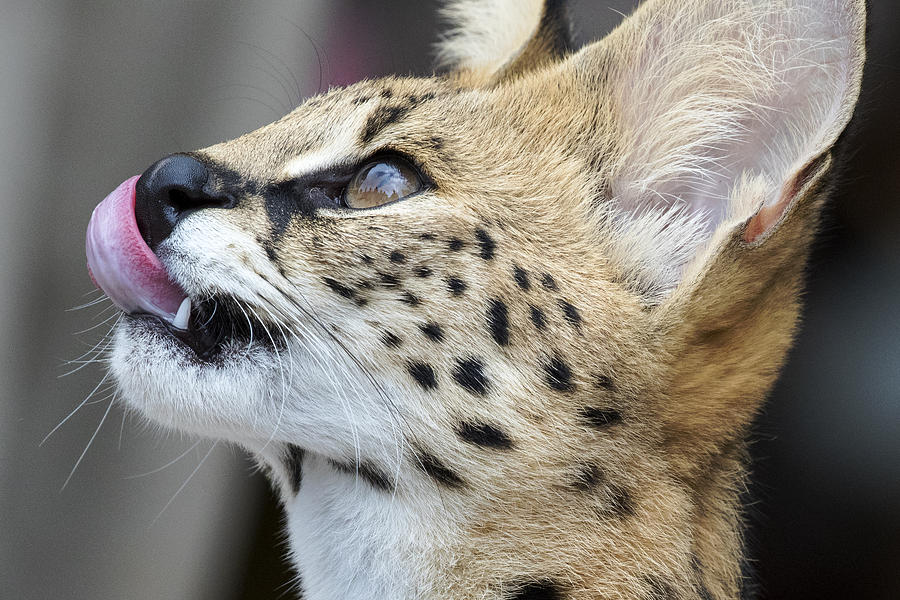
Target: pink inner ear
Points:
(769, 216)
(764, 220)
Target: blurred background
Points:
(94, 92)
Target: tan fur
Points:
(581, 166)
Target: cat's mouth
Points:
(211, 324)
(122, 265)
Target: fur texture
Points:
(533, 378)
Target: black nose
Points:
(168, 191)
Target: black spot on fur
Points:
(521, 277)
(498, 321)
(482, 434)
(558, 375)
(541, 589)
(487, 244)
(397, 257)
(437, 470)
(436, 142)
(603, 382)
(548, 282)
(339, 288)
(432, 331)
(455, 244)
(571, 313)
(366, 471)
(270, 250)
(361, 100)
(388, 280)
(427, 236)
(410, 298)
(456, 285)
(538, 318)
(293, 464)
(380, 118)
(423, 374)
(621, 503)
(469, 374)
(588, 477)
(367, 259)
(600, 417)
(423, 272)
(387, 93)
(391, 340)
(659, 589)
(702, 591)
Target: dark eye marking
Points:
(558, 375)
(600, 418)
(366, 471)
(437, 470)
(520, 275)
(538, 318)
(571, 313)
(397, 257)
(293, 464)
(482, 434)
(548, 282)
(456, 286)
(423, 373)
(540, 589)
(432, 331)
(391, 340)
(487, 243)
(469, 374)
(498, 321)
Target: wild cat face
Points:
(547, 277)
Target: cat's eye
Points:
(382, 181)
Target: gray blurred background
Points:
(93, 92)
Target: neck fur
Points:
(350, 541)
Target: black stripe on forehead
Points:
(382, 117)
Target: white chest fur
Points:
(351, 541)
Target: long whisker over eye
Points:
(382, 181)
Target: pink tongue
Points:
(120, 262)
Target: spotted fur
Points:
(533, 378)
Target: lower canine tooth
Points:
(183, 314)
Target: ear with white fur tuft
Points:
(723, 108)
(728, 112)
(493, 40)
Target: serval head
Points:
(499, 333)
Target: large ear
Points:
(492, 40)
(719, 106)
(725, 113)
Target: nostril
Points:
(168, 191)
